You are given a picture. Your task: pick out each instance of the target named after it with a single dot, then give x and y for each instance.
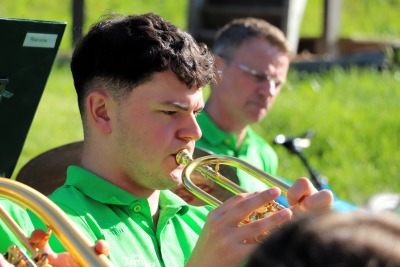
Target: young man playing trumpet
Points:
(139, 83)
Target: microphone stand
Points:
(296, 145)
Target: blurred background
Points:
(343, 83)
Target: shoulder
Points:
(259, 143)
(14, 210)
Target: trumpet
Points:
(201, 165)
(58, 222)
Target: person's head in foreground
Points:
(333, 239)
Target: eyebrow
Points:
(179, 105)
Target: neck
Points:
(91, 161)
(241, 137)
(226, 123)
(128, 185)
(154, 200)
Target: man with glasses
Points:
(252, 58)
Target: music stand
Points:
(27, 52)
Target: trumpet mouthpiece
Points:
(183, 157)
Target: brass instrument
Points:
(75, 242)
(201, 165)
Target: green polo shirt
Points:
(253, 150)
(21, 217)
(103, 211)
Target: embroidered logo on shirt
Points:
(115, 230)
(137, 260)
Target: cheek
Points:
(236, 90)
(243, 88)
(161, 126)
(142, 134)
(161, 134)
(241, 95)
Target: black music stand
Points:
(27, 52)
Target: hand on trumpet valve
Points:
(225, 233)
(304, 197)
(238, 224)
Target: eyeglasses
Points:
(260, 76)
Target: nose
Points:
(190, 130)
(268, 88)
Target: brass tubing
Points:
(77, 244)
(199, 164)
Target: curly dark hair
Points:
(122, 52)
(332, 239)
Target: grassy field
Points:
(366, 18)
(355, 116)
(354, 113)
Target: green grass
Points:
(355, 118)
(57, 119)
(366, 18)
(354, 113)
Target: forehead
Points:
(259, 54)
(259, 49)
(164, 87)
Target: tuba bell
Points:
(202, 165)
(58, 222)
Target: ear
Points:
(98, 104)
